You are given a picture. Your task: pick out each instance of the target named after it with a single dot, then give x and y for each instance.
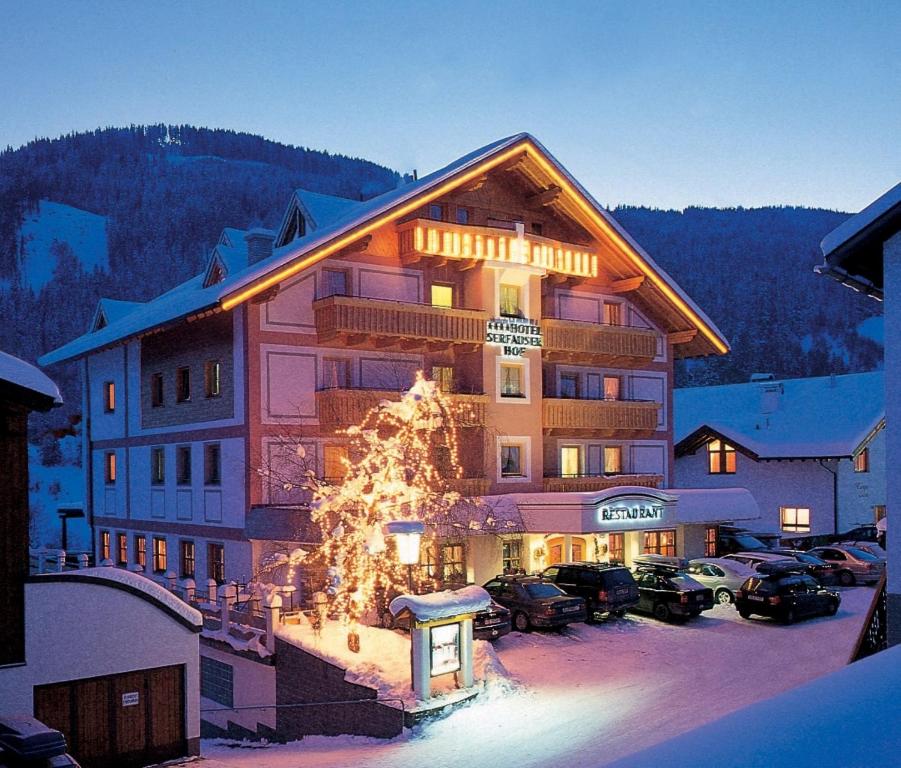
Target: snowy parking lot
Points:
(596, 693)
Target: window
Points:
(611, 387)
(156, 390)
(721, 458)
(511, 461)
(428, 559)
(510, 300)
(436, 211)
(217, 681)
(334, 458)
(453, 563)
(462, 215)
(570, 461)
(569, 385)
(109, 467)
(141, 550)
(710, 536)
(187, 558)
(612, 313)
(212, 460)
(616, 547)
(104, 545)
(159, 554)
(537, 228)
(795, 519)
(109, 396)
(879, 512)
(183, 464)
(215, 562)
(862, 461)
(334, 282)
(157, 466)
(335, 373)
(512, 556)
(121, 549)
(443, 376)
(212, 378)
(613, 459)
(442, 295)
(659, 543)
(183, 385)
(511, 380)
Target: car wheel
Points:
(846, 579)
(832, 608)
(620, 613)
(661, 611)
(744, 614)
(789, 617)
(521, 622)
(723, 596)
(589, 613)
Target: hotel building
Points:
(499, 277)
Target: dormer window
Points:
(295, 227)
(721, 458)
(217, 275)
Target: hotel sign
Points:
(629, 511)
(513, 335)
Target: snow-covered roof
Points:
(702, 505)
(862, 221)
(442, 605)
(323, 210)
(21, 374)
(826, 416)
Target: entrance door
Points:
(556, 549)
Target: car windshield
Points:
(749, 542)
(805, 558)
(683, 582)
(543, 590)
(619, 577)
(861, 555)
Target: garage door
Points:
(123, 720)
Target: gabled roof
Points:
(822, 417)
(363, 218)
(110, 311)
(23, 383)
(321, 210)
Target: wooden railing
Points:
(603, 344)
(873, 635)
(601, 483)
(443, 239)
(342, 408)
(353, 316)
(470, 486)
(592, 416)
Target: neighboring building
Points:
(106, 656)
(865, 254)
(813, 465)
(498, 276)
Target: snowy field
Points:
(597, 693)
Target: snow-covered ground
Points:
(597, 693)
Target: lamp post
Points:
(407, 534)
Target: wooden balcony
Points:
(356, 320)
(608, 345)
(469, 487)
(599, 418)
(469, 245)
(342, 408)
(602, 483)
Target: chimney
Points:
(259, 244)
(770, 395)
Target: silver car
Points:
(854, 565)
(722, 575)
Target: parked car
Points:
(666, 591)
(535, 603)
(606, 589)
(760, 557)
(823, 572)
(733, 539)
(854, 565)
(492, 623)
(858, 533)
(785, 595)
(867, 546)
(25, 741)
(723, 576)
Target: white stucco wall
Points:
(892, 315)
(773, 484)
(860, 492)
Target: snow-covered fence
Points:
(52, 560)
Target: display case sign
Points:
(513, 335)
(445, 649)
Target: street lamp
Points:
(407, 534)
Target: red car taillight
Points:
(740, 594)
(602, 596)
(774, 600)
(683, 598)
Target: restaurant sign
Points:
(630, 510)
(515, 336)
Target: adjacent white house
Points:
(813, 464)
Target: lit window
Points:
(570, 461)
(157, 466)
(442, 295)
(611, 387)
(215, 562)
(122, 549)
(613, 459)
(569, 385)
(795, 519)
(443, 376)
(710, 537)
(428, 559)
(334, 282)
(109, 467)
(512, 556)
(156, 390)
(187, 559)
(212, 460)
(335, 373)
(510, 300)
(862, 461)
(183, 385)
(721, 458)
(616, 547)
(183, 465)
(511, 380)
(453, 563)
(212, 378)
(612, 313)
(462, 215)
(104, 545)
(659, 543)
(159, 554)
(109, 396)
(141, 550)
(334, 459)
(511, 461)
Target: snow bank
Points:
(442, 605)
(25, 375)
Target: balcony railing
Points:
(599, 417)
(442, 239)
(613, 345)
(470, 486)
(356, 319)
(556, 484)
(341, 407)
